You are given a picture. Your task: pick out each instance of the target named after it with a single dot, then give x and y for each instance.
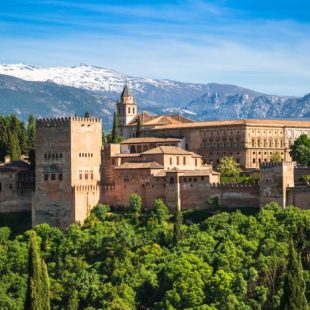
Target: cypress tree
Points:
(31, 132)
(86, 114)
(293, 297)
(115, 137)
(38, 284)
(13, 147)
(177, 228)
(138, 128)
(104, 140)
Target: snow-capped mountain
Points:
(88, 77)
(60, 91)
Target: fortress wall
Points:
(196, 195)
(299, 197)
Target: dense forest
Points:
(16, 137)
(155, 260)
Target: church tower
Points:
(126, 110)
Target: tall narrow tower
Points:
(126, 110)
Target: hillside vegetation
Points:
(151, 260)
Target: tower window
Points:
(53, 177)
(60, 177)
(45, 177)
(133, 110)
(129, 110)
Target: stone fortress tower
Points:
(126, 110)
(67, 174)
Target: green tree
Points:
(160, 211)
(86, 114)
(104, 140)
(115, 137)
(177, 227)
(38, 290)
(293, 297)
(31, 139)
(276, 157)
(300, 150)
(101, 211)
(229, 167)
(13, 147)
(135, 204)
(138, 128)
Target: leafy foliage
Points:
(229, 167)
(276, 157)
(226, 261)
(15, 138)
(300, 150)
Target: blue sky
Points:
(262, 45)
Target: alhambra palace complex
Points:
(173, 158)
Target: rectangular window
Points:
(170, 160)
(92, 176)
(45, 177)
(184, 160)
(10, 186)
(53, 177)
(178, 160)
(60, 176)
(254, 160)
(113, 162)
(86, 176)
(81, 176)
(196, 162)
(253, 142)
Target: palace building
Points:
(250, 142)
(173, 158)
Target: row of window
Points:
(53, 177)
(86, 176)
(265, 153)
(53, 155)
(120, 110)
(86, 155)
(266, 143)
(10, 186)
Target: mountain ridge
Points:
(59, 91)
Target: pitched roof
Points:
(126, 92)
(140, 165)
(168, 150)
(148, 119)
(249, 122)
(150, 140)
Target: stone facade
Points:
(249, 142)
(173, 159)
(16, 186)
(68, 159)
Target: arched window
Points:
(128, 109)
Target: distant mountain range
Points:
(63, 91)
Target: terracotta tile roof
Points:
(125, 155)
(148, 119)
(140, 165)
(168, 150)
(150, 140)
(249, 122)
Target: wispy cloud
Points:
(199, 41)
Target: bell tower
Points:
(126, 110)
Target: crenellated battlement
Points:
(85, 188)
(65, 121)
(234, 185)
(86, 119)
(268, 165)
